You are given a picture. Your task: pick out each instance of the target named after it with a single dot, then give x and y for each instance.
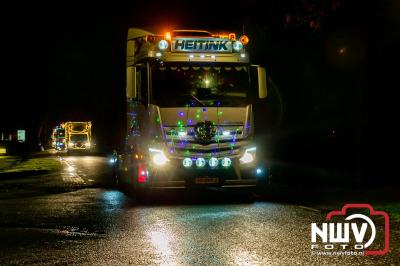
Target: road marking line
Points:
(72, 177)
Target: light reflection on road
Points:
(244, 257)
(161, 242)
(112, 200)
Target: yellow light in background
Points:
(244, 39)
(168, 36)
(3, 150)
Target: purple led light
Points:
(180, 114)
(190, 121)
(204, 109)
(182, 144)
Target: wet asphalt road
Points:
(94, 223)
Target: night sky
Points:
(331, 62)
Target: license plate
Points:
(206, 180)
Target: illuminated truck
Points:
(190, 96)
(78, 136)
(58, 138)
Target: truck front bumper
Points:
(174, 175)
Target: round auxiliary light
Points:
(244, 39)
(213, 162)
(163, 44)
(200, 162)
(187, 162)
(226, 162)
(237, 46)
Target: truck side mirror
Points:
(262, 82)
(131, 82)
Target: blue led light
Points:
(259, 171)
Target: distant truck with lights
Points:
(190, 96)
(58, 138)
(78, 136)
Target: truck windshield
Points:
(79, 137)
(177, 85)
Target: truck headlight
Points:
(226, 162)
(158, 157)
(237, 46)
(162, 45)
(200, 162)
(213, 162)
(87, 144)
(187, 162)
(248, 156)
(71, 144)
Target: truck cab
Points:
(58, 138)
(190, 96)
(78, 136)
